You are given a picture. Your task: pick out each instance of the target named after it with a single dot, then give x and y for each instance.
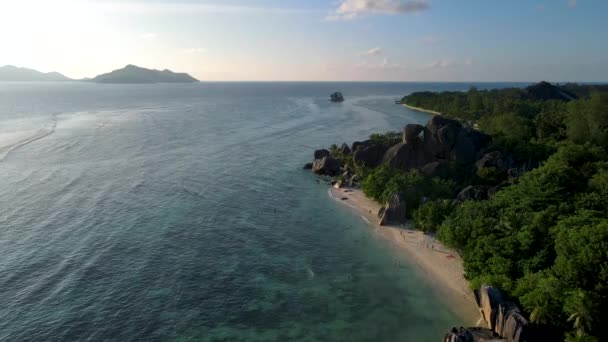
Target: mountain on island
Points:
(544, 91)
(137, 75)
(10, 73)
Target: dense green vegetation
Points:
(542, 239)
(384, 181)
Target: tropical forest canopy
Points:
(541, 237)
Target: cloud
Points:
(353, 9)
(194, 50)
(373, 52)
(384, 64)
(148, 36)
(572, 3)
(440, 63)
(449, 63)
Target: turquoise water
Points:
(181, 213)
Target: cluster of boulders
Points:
(436, 150)
(502, 318)
(431, 149)
(328, 165)
(324, 163)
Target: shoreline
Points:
(418, 109)
(441, 266)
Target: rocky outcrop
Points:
(411, 132)
(344, 149)
(368, 153)
(322, 153)
(494, 160)
(394, 212)
(490, 298)
(407, 156)
(307, 166)
(326, 166)
(474, 193)
(439, 168)
(471, 335)
(502, 318)
(444, 141)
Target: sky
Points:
(313, 40)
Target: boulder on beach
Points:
(326, 166)
(394, 212)
(490, 299)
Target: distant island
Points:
(10, 73)
(132, 74)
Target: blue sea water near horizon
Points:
(182, 213)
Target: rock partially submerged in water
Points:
(394, 212)
(326, 166)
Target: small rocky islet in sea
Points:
(336, 97)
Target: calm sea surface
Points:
(181, 213)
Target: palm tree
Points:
(541, 314)
(581, 309)
(579, 337)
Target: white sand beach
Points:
(442, 266)
(418, 109)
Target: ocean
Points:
(182, 213)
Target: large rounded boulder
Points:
(368, 153)
(322, 153)
(411, 132)
(494, 160)
(406, 156)
(394, 212)
(326, 166)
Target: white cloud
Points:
(440, 63)
(373, 52)
(352, 9)
(148, 36)
(384, 64)
(194, 50)
(449, 63)
(572, 3)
